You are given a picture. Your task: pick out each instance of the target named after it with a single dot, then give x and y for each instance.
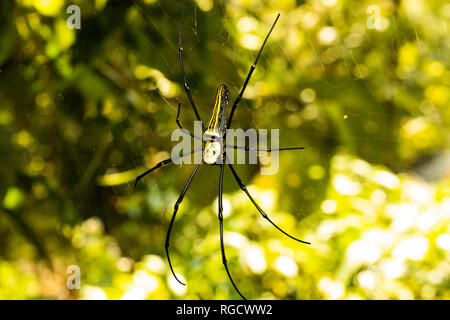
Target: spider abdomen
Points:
(212, 152)
(217, 122)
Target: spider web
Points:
(332, 98)
(248, 116)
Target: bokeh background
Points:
(82, 112)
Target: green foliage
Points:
(82, 112)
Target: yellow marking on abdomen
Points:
(214, 122)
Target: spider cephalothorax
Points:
(214, 150)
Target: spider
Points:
(214, 150)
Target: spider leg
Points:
(263, 149)
(183, 129)
(180, 55)
(160, 164)
(239, 182)
(175, 210)
(252, 68)
(222, 247)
